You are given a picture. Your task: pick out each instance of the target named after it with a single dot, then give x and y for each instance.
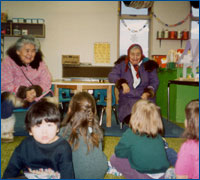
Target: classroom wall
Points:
(73, 27)
(170, 12)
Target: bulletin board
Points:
(102, 53)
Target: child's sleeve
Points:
(66, 164)
(14, 166)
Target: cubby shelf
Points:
(8, 29)
(172, 39)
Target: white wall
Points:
(73, 27)
(169, 12)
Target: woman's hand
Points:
(145, 95)
(126, 88)
(30, 95)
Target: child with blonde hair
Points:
(187, 164)
(82, 130)
(140, 153)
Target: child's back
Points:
(187, 165)
(85, 136)
(140, 153)
(89, 165)
(145, 154)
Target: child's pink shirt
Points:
(188, 160)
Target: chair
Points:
(64, 98)
(19, 128)
(100, 96)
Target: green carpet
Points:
(109, 145)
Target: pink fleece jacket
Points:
(12, 76)
(188, 160)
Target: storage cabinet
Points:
(179, 95)
(10, 29)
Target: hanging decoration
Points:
(133, 30)
(134, 38)
(172, 25)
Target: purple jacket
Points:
(126, 101)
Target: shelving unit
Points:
(172, 39)
(9, 28)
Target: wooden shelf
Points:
(9, 28)
(171, 39)
(160, 39)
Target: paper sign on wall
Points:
(102, 52)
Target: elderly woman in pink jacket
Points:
(24, 77)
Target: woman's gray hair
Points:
(136, 47)
(27, 40)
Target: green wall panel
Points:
(184, 95)
(164, 76)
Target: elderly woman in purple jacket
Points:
(136, 78)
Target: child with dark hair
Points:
(82, 130)
(42, 155)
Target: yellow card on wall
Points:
(102, 52)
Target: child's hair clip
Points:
(90, 130)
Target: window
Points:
(134, 29)
(133, 11)
(128, 36)
(195, 12)
(195, 23)
(195, 30)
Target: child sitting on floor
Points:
(42, 155)
(82, 130)
(187, 164)
(140, 153)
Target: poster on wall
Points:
(102, 52)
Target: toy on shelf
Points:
(190, 58)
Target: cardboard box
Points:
(24, 31)
(70, 59)
(15, 20)
(21, 20)
(28, 20)
(34, 21)
(40, 21)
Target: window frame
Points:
(192, 19)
